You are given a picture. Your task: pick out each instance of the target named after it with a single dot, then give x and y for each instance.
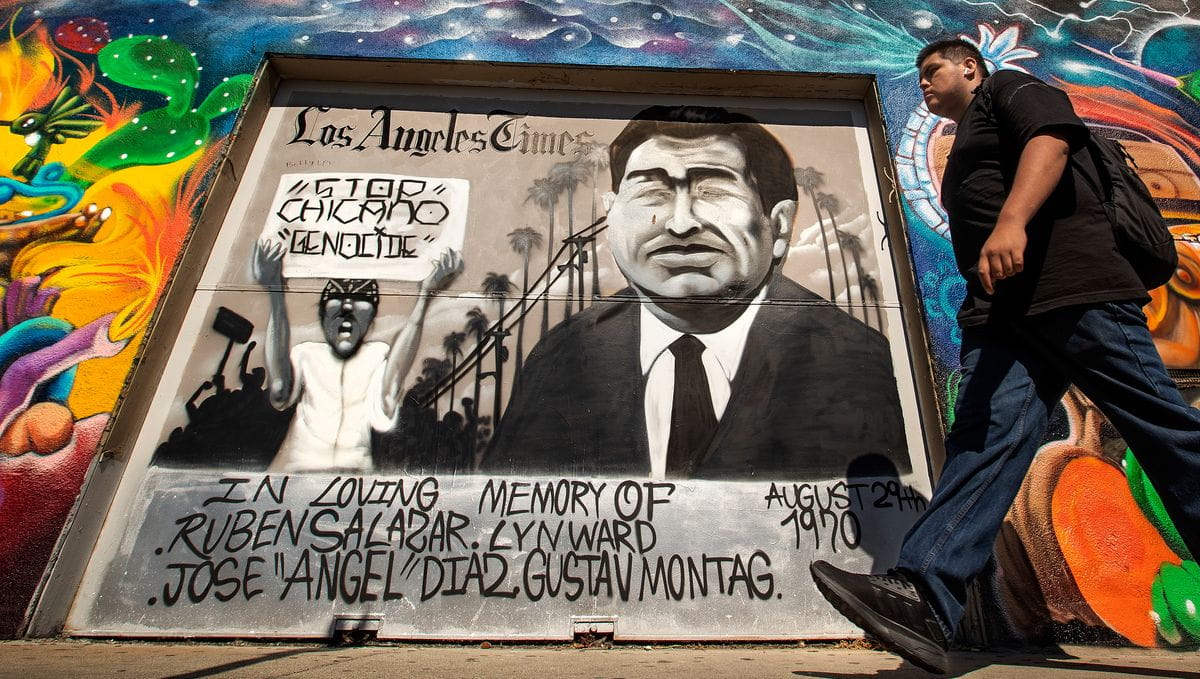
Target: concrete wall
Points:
(1085, 552)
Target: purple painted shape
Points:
(26, 373)
(25, 298)
(12, 301)
(43, 302)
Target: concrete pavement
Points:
(173, 660)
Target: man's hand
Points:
(1003, 255)
(268, 264)
(445, 268)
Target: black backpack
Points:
(1141, 234)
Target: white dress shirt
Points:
(338, 402)
(721, 357)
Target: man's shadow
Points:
(881, 490)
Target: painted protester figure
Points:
(344, 387)
(1050, 302)
(711, 364)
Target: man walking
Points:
(1050, 302)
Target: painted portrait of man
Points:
(711, 363)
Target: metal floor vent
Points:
(592, 628)
(356, 628)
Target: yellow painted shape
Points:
(26, 68)
(114, 274)
(98, 382)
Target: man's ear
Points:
(970, 67)
(781, 218)
(608, 200)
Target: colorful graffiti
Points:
(88, 235)
(1087, 546)
(112, 145)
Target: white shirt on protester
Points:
(338, 403)
(721, 357)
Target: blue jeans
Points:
(1013, 375)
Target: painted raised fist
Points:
(445, 268)
(268, 264)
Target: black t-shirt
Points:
(1071, 256)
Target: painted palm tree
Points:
(544, 194)
(810, 179)
(477, 327)
(853, 245)
(523, 241)
(433, 371)
(872, 287)
(566, 176)
(831, 205)
(594, 157)
(452, 345)
(497, 286)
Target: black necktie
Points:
(693, 422)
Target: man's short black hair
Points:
(767, 162)
(954, 49)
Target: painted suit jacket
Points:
(814, 390)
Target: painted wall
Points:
(392, 322)
(1086, 551)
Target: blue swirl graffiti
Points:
(44, 184)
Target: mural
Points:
(672, 348)
(699, 228)
(114, 140)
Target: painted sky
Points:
(760, 34)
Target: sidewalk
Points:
(148, 660)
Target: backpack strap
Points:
(984, 93)
(1101, 177)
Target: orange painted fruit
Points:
(1111, 549)
(43, 428)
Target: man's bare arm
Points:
(268, 271)
(1039, 170)
(404, 348)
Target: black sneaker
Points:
(889, 608)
